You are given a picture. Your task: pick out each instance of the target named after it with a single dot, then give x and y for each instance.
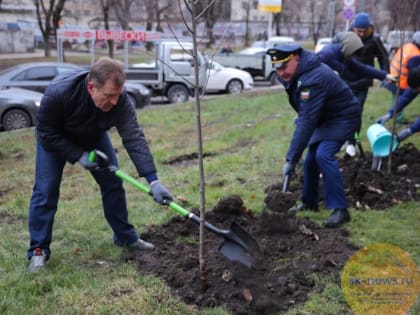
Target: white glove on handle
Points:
(160, 194)
(391, 77)
(288, 168)
(404, 134)
(383, 119)
(84, 161)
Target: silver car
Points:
(18, 108)
(37, 76)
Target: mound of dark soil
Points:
(371, 189)
(296, 251)
(367, 189)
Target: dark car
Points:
(18, 108)
(37, 76)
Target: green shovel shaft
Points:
(146, 189)
(125, 177)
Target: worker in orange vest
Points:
(399, 69)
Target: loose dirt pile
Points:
(296, 251)
(370, 189)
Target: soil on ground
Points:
(296, 252)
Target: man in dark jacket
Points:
(341, 57)
(328, 114)
(373, 48)
(75, 113)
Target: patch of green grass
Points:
(248, 137)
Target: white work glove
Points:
(84, 161)
(160, 194)
(383, 119)
(288, 168)
(391, 77)
(403, 134)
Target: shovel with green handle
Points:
(238, 245)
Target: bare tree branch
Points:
(204, 10)
(183, 16)
(48, 20)
(106, 6)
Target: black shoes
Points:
(302, 207)
(141, 246)
(337, 218)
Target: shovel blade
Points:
(235, 252)
(246, 240)
(240, 246)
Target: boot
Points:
(140, 245)
(302, 207)
(337, 218)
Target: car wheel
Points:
(273, 79)
(132, 99)
(16, 119)
(234, 86)
(178, 94)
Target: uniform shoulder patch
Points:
(304, 94)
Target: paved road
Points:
(37, 53)
(259, 86)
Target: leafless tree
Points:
(122, 12)
(151, 6)
(247, 7)
(106, 5)
(191, 13)
(159, 11)
(317, 19)
(48, 16)
(155, 10)
(285, 17)
(404, 14)
(212, 12)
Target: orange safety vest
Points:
(408, 50)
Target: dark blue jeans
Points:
(320, 158)
(43, 205)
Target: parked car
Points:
(259, 44)
(272, 42)
(37, 76)
(18, 108)
(321, 43)
(253, 60)
(279, 40)
(229, 80)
